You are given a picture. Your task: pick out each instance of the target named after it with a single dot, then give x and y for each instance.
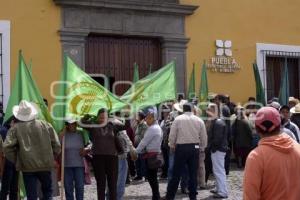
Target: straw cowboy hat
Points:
(179, 106)
(25, 111)
(295, 109)
(293, 99)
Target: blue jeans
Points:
(122, 176)
(185, 155)
(184, 174)
(140, 165)
(30, 181)
(74, 178)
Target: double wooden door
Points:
(114, 57)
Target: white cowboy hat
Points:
(25, 111)
(179, 106)
(295, 109)
(70, 120)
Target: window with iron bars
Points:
(275, 62)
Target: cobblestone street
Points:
(142, 191)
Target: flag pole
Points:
(62, 169)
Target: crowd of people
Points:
(183, 142)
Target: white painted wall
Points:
(5, 31)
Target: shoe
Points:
(184, 191)
(217, 196)
(138, 178)
(202, 188)
(213, 191)
(163, 176)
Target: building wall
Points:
(34, 29)
(35, 25)
(245, 23)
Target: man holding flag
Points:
(32, 145)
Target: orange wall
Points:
(34, 29)
(245, 23)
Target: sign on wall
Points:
(223, 61)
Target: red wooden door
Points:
(114, 56)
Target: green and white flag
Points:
(78, 94)
(157, 87)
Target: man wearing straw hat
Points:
(295, 112)
(32, 144)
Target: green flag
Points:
(30, 66)
(78, 94)
(155, 88)
(203, 94)
(260, 93)
(136, 73)
(25, 88)
(284, 92)
(191, 90)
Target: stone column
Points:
(175, 49)
(73, 44)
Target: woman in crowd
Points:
(73, 161)
(242, 137)
(104, 150)
(150, 146)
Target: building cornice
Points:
(146, 6)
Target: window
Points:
(271, 59)
(4, 61)
(274, 67)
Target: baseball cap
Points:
(267, 119)
(274, 104)
(150, 110)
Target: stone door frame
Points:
(149, 18)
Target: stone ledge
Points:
(147, 6)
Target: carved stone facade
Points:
(149, 18)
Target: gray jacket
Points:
(126, 143)
(152, 140)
